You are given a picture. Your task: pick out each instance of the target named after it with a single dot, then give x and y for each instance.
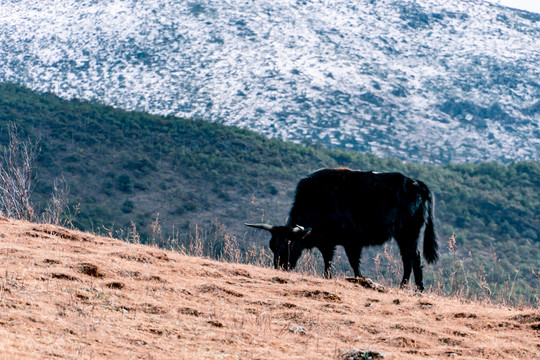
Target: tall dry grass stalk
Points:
(213, 242)
(457, 276)
(58, 211)
(132, 235)
(157, 236)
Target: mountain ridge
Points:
(425, 81)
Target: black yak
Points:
(355, 209)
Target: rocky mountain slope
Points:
(426, 80)
(65, 294)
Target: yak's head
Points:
(286, 244)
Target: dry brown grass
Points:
(68, 294)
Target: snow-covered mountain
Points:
(425, 80)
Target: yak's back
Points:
(337, 192)
(348, 184)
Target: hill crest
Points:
(69, 294)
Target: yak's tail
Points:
(431, 246)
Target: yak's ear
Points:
(266, 227)
(300, 231)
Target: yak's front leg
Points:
(328, 255)
(354, 253)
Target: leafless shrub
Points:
(16, 175)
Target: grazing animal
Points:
(355, 209)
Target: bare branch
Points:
(16, 175)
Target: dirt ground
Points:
(65, 294)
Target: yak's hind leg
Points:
(417, 268)
(354, 253)
(407, 239)
(408, 243)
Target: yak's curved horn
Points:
(267, 227)
(300, 230)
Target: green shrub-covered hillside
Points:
(131, 170)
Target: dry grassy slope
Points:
(68, 294)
